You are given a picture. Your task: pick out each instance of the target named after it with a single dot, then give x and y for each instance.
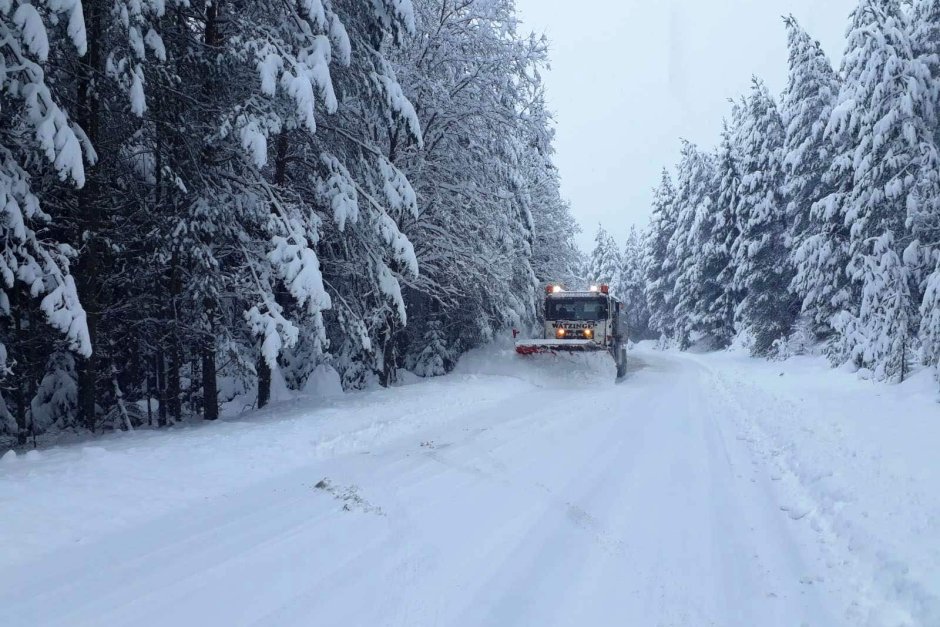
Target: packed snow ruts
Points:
(709, 489)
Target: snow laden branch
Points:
(32, 110)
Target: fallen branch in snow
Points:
(350, 497)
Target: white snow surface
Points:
(703, 490)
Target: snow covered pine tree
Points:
(36, 132)
(762, 270)
(883, 115)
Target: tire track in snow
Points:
(879, 593)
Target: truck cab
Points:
(580, 316)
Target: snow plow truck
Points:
(581, 322)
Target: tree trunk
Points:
(160, 376)
(212, 35)
(174, 402)
(264, 382)
(119, 396)
(175, 341)
(389, 374)
(20, 375)
(280, 174)
(36, 370)
(210, 391)
(148, 392)
(193, 400)
(87, 281)
(87, 399)
(280, 159)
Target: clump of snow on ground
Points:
(324, 382)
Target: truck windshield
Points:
(576, 309)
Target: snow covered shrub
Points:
(665, 342)
(57, 395)
(743, 341)
(434, 359)
(323, 382)
(780, 351)
(800, 342)
(930, 322)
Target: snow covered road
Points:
(477, 499)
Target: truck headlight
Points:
(560, 333)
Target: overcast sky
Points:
(631, 77)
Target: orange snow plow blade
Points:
(537, 347)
